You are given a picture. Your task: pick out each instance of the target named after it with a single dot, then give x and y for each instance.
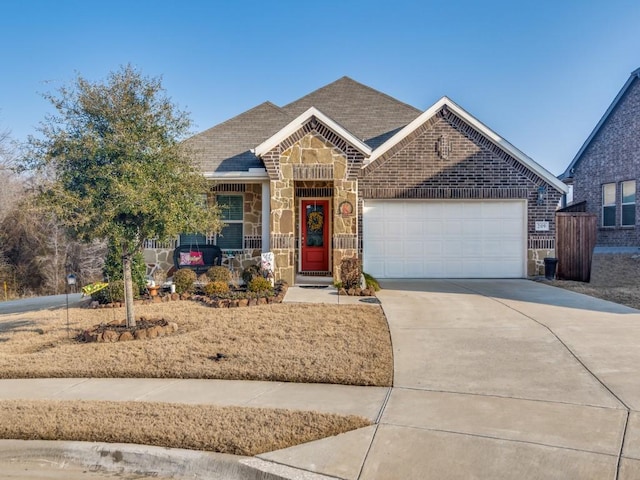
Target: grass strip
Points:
(233, 430)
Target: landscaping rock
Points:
(110, 336)
(140, 334)
(125, 336)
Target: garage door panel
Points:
(452, 227)
(393, 248)
(507, 209)
(394, 229)
(445, 239)
(473, 268)
(431, 248)
(434, 267)
(375, 229)
(452, 248)
(414, 228)
(434, 228)
(413, 248)
(470, 247)
(473, 226)
(414, 269)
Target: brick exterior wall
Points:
(473, 169)
(612, 156)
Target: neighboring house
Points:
(606, 170)
(349, 171)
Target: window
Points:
(232, 213)
(628, 203)
(609, 205)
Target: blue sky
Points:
(539, 73)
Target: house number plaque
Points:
(542, 226)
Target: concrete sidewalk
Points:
(493, 379)
(340, 399)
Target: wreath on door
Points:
(315, 221)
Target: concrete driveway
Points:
(508, 379)
(497, 379)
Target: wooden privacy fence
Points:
(575, 240)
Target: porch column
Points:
(266, 215)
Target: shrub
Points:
(372, 283)
(219, 273)
(251, 272)
(184, 279)
(350, 272)
(114, 292)
(259, 284)
(216, 287)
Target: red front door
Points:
(314, 217)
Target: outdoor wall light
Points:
(542, 193)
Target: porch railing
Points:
(155, 243)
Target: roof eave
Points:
(569, 171)
(299, 121)
(253, 174)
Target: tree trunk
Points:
(128, 287)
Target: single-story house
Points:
(606, 170)
(349, 171)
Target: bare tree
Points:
(13, 186)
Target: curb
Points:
(146, 460)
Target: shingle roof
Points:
(227, 146)
(367, 113)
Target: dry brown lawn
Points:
(234, 430)
(343, 344)
(614, 277)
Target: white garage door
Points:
(444, 239)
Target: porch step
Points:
(303, 280)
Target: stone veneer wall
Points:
(311, 158)
(252, 193)
(163, 257)
(253, 210)
(159, 256)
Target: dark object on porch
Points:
(199, 258)
(550, 265)
(575, 241)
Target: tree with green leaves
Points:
(117, 166)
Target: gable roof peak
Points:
(300, 121)
(445, 103)
(568, 173)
